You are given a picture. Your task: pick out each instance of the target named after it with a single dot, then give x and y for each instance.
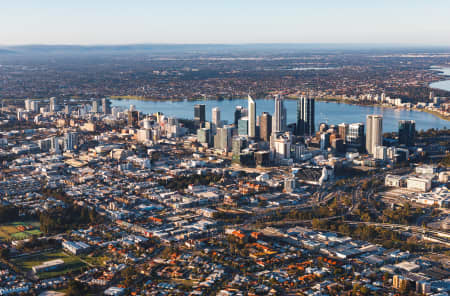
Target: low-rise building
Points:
(421, 184)
(48, 266)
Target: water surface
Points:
(444, 84)
(329, 112)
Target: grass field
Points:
(10, 231)
(97, 261)
(72, 263)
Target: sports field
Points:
(71, 263)
(19, 230)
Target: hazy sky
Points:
(224, 21)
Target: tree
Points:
(8, 214)
(4, 253)
(76, 289)
(128, 274)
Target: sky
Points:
(93, 22)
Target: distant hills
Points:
(5, 51)
(170, 49)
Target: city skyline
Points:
(229, 148)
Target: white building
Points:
(279, 117)
(426, 170)
(144, 135)
(374, 136)
(395, 181)
(282, 147)
(251, 117)
(75, 247)
(216, 118)
(421, 184)
(380, 152)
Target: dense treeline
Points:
(8, 214)
(429, 133)
(433, 133)
(35, 244)
(62, 219)
(179, 183)
(316, 212)
(387, 238)
(415, 94)
(446, 161)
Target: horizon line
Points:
(230, 44)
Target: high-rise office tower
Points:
(106, 106)
(28, 105)
(70, 141)
(265, 126)
(342, 130)
(204, 136)
(305, 117)
(53, 104)
(324, 141)
(354, 136)
(406, 132)
(199, 113)
(374, 136)
(279, 117)
(54, 145)
(238, 143)
(237, 114)
(243, 126)
(34, 106)
(133, 118)
(95, 106)
(223, 138)
(251, 117)
(216, 117)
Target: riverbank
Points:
(437, 114)
(338, 100)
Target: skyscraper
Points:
(265, 126)
(406, 132)
(251, 117)
(133, 118)
(354, 136)
(237, 114)
(342, 130)
(27, 104)
(34, 105)
(204, 136)
(199, 113)
(95, 106)
(106, 106)
(279, 117)
(70, 141)
(305, 117)
(216, 117)
(374, 135)
(243, 126)
(223, 138)
(53, 104)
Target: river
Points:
(330, 112)
(444, 84)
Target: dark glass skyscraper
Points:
(106, 106)
(305, 117)
(237, 114)
(406, 132)
(199, 113)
